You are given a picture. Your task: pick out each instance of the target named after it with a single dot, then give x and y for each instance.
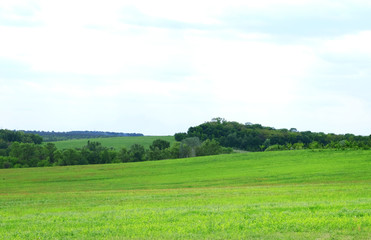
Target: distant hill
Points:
(61, 136)
(113, 142)
(255, 137)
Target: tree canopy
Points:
(255, 137)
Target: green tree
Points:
(92, 152)
(156, 154)
(298, 146)
(159, 149)
(188, 147)
(159, 144)
(37, 139)
(3, 148)
(108, 156)
(3, 144)
(266, 144)
(123, 155)
(28, 154)
(50, 149)
(71, 157)
(7, 162)
(275, 147)
(315, 145)
(136, 153)
(180, 136)
(209, 147)
(174, 150)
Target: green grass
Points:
(270, 195)
(115, 142)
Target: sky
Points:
(160, 67)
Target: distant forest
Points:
(61, 136)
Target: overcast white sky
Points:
(159, 67)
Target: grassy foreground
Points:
(114, 142)
(270, 195)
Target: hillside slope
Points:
(269, 195)
(286, 167)
(114, 142)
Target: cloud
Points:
(343, 65)
(18, 13)
(160, 67)
(332, 111)
(303, 19)
(358, 43)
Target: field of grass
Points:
(270, 195)
(115, 142)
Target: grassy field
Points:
(270, 195)
(115, 142)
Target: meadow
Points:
(114, 142)
(267, 195)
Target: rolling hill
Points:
(269, 195)
(114, 142)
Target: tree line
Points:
(61, 136)
(19, 149)
(255, 137)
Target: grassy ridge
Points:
(289, 167)
(271, 195)
(115, 142)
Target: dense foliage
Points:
(18, 149)
(60, 136)
(8, 136)
(255, 137)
